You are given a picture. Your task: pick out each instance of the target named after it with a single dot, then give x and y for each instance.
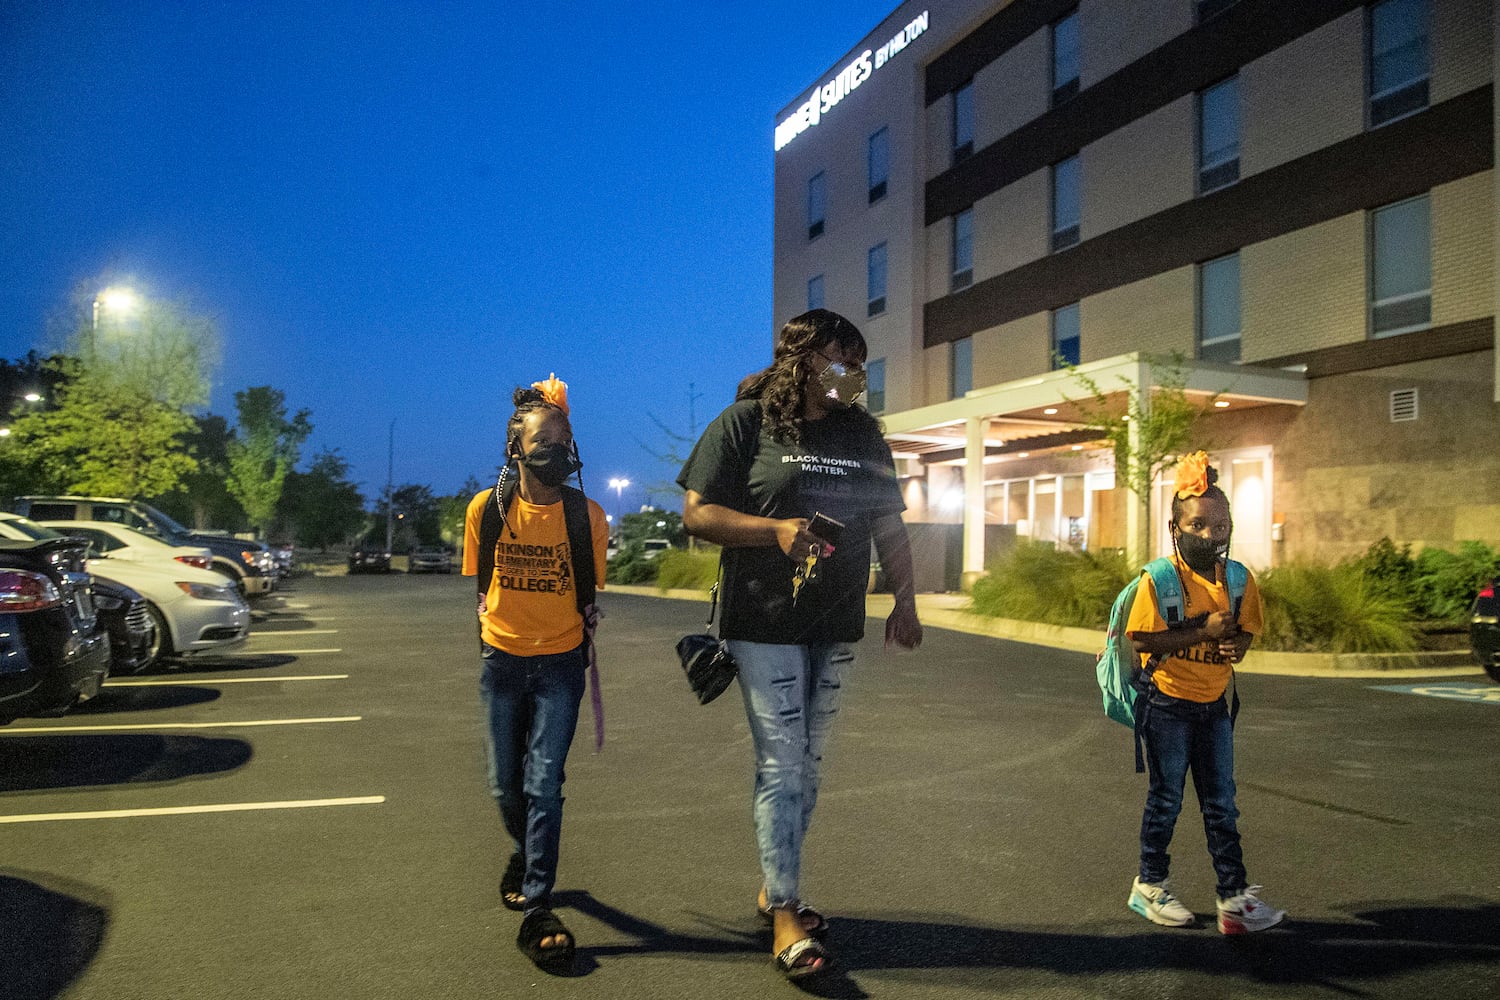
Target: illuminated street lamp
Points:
(618, 485)
(120, 301)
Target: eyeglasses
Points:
(849, 367)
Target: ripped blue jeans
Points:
(791, 697)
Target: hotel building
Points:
(1296, 198)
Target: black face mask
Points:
(1202, 554)
(552, 464)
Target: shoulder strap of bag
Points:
(580, 545)
(1168, 586)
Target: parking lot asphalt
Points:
(307, 817)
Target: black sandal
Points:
(819, 930)
(510, 883)
(539, 924)
(803, 958)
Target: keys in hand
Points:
(807, 571)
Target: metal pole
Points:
(390, 465)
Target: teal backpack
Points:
(1121, 678)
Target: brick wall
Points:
(1154, 316)
(1138, 170)
(1305, 95)
(1012, 90)
(1463, 247)
(1115, 33)
(1304, 290)
(1462, 47)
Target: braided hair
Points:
(782, 388)
(527, 400)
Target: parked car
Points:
(282, 553)
(194, 610)
(235, 558)
(369, 557)
(134, 640)
(1484, 631)
(132, 633)
(429, 559)
(120, 542)
(54, 650)
(653, 547)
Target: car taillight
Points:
(1487, 592)
(23, 591)
(198, 562)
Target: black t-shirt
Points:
(842, 468)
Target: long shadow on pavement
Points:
(36, 763)
(47, 939)
(119, 699)
(1380, 941)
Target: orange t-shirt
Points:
(531, 609)
(1198, 673)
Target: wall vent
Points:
(1403, 405)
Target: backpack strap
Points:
(580, 545)
(1236, 579)
(1169, 599)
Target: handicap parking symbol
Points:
(1488, 694)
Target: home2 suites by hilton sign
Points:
(841, 86)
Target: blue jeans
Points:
(531, 707)
(791, 697)
(1184, 736)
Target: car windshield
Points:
(31, 529)
(176, 533)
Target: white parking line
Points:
(367, 800)
(299, 631)
(184, 682)
(9, 730)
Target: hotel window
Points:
(879, 163)
(1065, 208)
(1219, 135)
(1399, 63)
(817, 205)
(1064, 59)
(963, 250)
(963, 122)
(815, 292)
(1401, 268)
(1065, 336)
(1219, 310)
(875, 386)
(961, 367)
(875, 281)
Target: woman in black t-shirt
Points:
(792, 447)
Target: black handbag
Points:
(705, 658)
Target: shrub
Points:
(1445, 582)
(679, 569)
(631, 567)
(1036, 582)
(1389, 570)
(1333, 609)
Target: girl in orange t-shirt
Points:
(1186, 722)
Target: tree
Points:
(158, 347)
(203, 500)
(265, 447)
(1148, 432)
(452, 511)
(105, 436)
(322, 505)
(418, 517)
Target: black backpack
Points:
(580, 539)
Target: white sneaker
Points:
(1247, 912)
(1155, 902)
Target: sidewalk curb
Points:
(948, 611)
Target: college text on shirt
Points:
(546, 569)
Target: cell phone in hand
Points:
(826, 528)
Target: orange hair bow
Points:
(554, 391)
(1192, 475)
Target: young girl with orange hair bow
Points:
(1188, 722)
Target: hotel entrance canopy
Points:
(1033, 416)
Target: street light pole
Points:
(390, 498)
(618, 485)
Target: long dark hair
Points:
(782, 388)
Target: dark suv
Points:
(248, 564)
(54, 650)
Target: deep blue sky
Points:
(404, 210)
